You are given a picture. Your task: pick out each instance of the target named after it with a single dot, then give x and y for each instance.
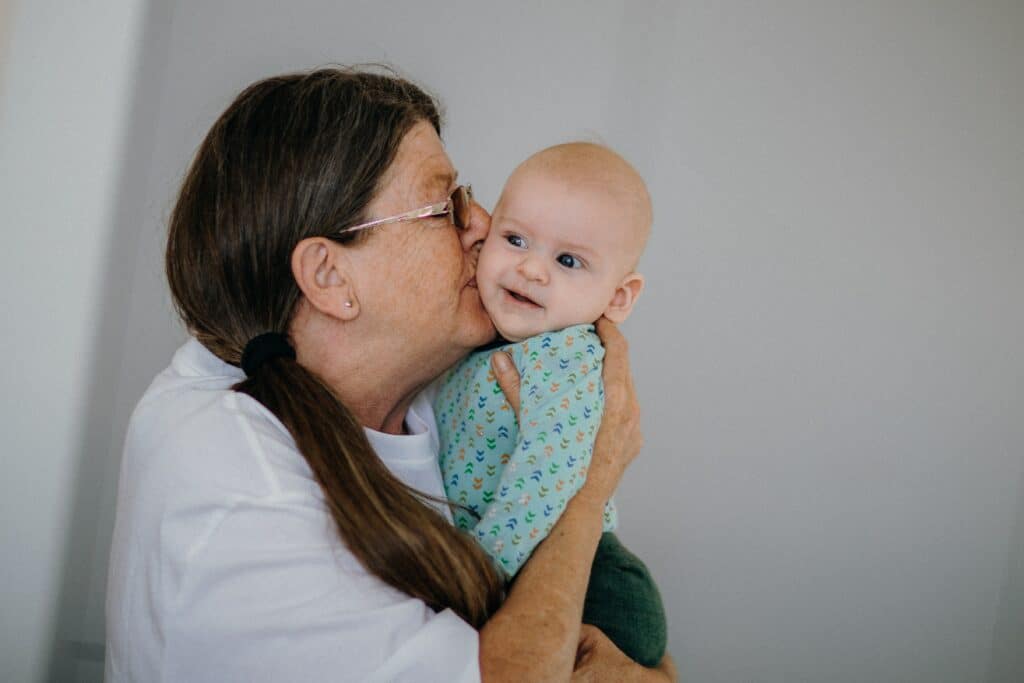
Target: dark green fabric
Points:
(623, 601)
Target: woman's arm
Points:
(535, 634)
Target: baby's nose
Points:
(532, 269)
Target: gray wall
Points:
(67, 82)
(828, 351)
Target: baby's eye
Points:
(515, 241)
(569, 261)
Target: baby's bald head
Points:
(601, 172)
(565, 240)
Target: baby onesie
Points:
(518, 476)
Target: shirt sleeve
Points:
(269, 597)
(561, 403)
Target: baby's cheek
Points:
(487, 269)
(580, 306)
(489, 293)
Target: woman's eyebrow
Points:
(443, 179)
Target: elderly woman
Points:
(281, 512)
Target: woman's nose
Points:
(479, 225)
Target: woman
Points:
(285, 520)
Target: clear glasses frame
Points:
(456, 205)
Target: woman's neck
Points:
(376, 395)
(378, 416)
(375, 379)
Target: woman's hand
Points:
(598, 659)
(619, 439)
(508, 378)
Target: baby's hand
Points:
(508, 378)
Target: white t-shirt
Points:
(226, 565)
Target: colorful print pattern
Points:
(519, 479)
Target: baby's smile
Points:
(521, 298)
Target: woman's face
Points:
(421, 273)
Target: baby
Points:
(565, 240)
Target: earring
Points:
(348, 304)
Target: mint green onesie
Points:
(518, 478)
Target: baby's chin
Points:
(506, 329)
(511, 333)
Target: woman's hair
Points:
(293, 157)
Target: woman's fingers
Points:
(618, 439)
(508, 378)
(598, 659)
(612, 339)
(620, 395)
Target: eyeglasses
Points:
(456, 206)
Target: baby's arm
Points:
(561, 407)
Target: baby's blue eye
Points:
(516, 241)
(569, 261)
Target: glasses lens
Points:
(460, 206)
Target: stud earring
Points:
(348, 304)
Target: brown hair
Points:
(293, 157)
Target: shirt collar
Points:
(195, 360)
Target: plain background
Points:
(828, 353)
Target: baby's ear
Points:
(625, 296)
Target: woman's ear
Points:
(324, 276)
(625, 296)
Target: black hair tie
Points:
(262, 348)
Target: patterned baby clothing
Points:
(518, 478)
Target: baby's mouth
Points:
(522, 299)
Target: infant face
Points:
(559, 251)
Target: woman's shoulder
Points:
(193, 428)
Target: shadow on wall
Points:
(77, 650)
(1007, 654)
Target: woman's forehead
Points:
(423, 163)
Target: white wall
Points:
(828, 349)
(67, 79)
